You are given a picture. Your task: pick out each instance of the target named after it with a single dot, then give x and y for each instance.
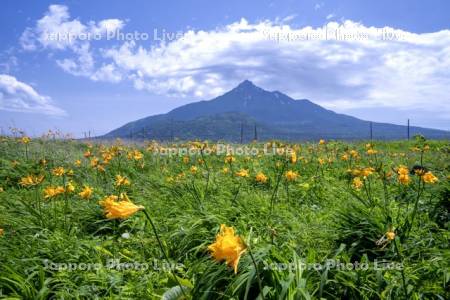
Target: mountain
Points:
(270, 115)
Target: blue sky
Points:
(378, 60)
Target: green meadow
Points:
(322, 220)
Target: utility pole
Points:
(256, 134)
(171, 130)
(371, 130)
(408, 130)
(242, 132)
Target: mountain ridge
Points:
(276, 115)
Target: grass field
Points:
(334, 220)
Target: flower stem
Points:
(163, 251)
(65, 202)
(272, 199)
(416, 205)
(402, 271)
(237, 193)
(257, 272)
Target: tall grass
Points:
(303, 234)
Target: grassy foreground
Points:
(333, 221)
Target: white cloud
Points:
(21, 97)
(289, 18)
(318, 6)
(105, 26)
(356, 69)
(342, 65)
(8, 61)
(330, 16)
(107, 72)
(57, 32)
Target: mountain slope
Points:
(274, 114)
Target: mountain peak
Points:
(246, 83)
(247, 88)
(277, 115)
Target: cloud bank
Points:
(57, 32)
(343, 65)
(20, 97)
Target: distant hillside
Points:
(274, 114)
